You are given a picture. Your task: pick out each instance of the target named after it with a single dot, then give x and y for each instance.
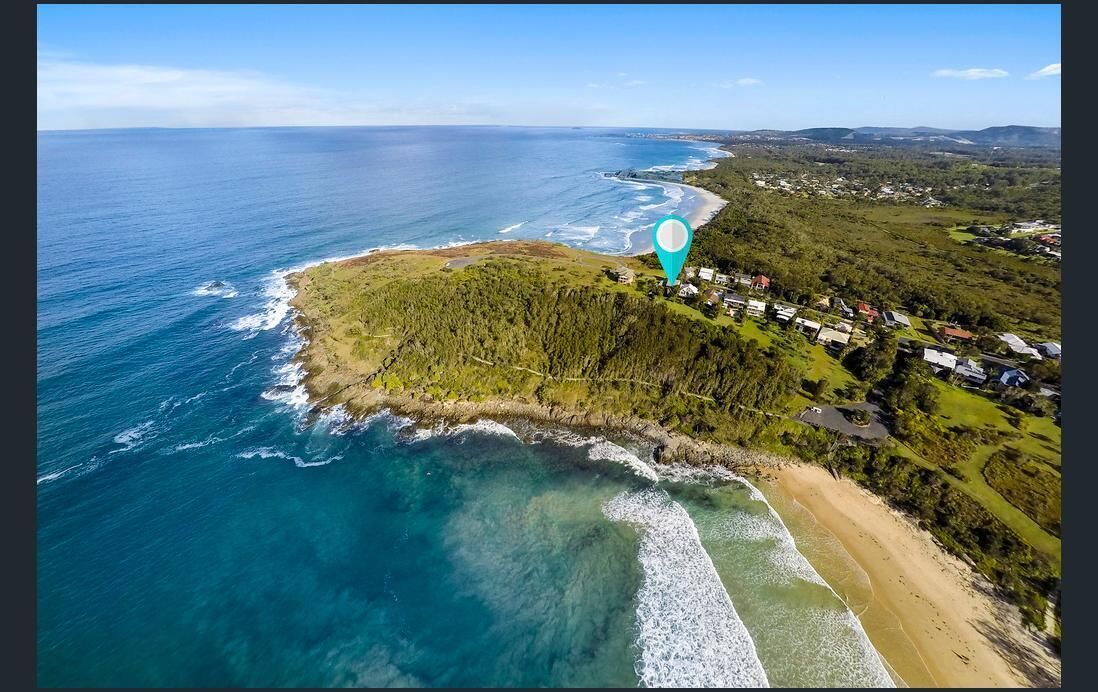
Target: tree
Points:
(872, 362)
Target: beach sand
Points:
(935, 620)
(707, 207)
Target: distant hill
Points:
(1007, 136)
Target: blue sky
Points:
(736, 67)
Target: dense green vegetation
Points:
(891, 255)
(516, 328)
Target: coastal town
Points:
(970, 358)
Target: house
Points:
(706, 274)
(744, 279)
(721, 279)
(691, 272)
(833, 338)
(784, 313)
(870, 313)
(807, 327)
(756, 308)
(939, 360)
(970, 371)
(847, 312)
(895, 319)
(734, 302)
(950, 334)
(823, 303)
(712, 297)
(1013, 378)
(1015, 343)
(844, 326)
(760, 283)
(1050, 349)
(688, 291)
(625, 275)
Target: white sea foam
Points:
(577, 233)
(643, 198)
(212, 439)
(47, 477)
(219, 289)
(867, 666)
(483, 426)
(604, 450)
(689, 633)
(131, 438)
(512, 228)
(272, 453)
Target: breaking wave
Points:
(272, 453)
(689, 632)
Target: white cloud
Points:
(971, 73)
(623, 74)
(635, 82)
(82, 95)
(748, 81)
(1052, 70)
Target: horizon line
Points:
(561, 127)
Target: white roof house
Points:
(691, 272)
(720, 279)
(756, 307)
(784, 312)
(706, 274)
(939, 360)
(832, 337)
(895, 319)
(806, 326)
(970, 370)
(688, 290)
(1016, 344)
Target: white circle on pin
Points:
(671, 235)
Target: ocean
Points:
(199, 526)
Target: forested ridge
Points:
(507, 328)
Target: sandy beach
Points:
(708, 205)
(933, 618)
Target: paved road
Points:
(834, 418)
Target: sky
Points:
(684, 67)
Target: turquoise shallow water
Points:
(197, 526)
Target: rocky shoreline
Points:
(669, 448)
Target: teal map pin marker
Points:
(671, 236)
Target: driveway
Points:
(834, 418)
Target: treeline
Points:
(813, 246)
(565, 344)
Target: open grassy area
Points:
(1037, 437)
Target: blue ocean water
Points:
(198, 526)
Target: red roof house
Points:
(869, 312)
(760, 282)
